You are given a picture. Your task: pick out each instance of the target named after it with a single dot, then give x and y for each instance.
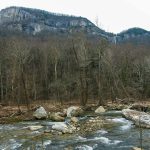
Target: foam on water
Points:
(95, 146)
(29, 123)
(125, 127)
(84, 147)
(35, 132)
(47, 142)
(115, 142)
(15, 145)
(43, 145)
(119, 120)
(102, 139)
(128, 146)
(11, 145)
(8, 127)
(102, 131)
(114, 112)
(105, 140)
(81, 138)
(126, 124)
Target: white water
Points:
(107, 141)
(102, 132)
(118, 120)
(123, 136)
(10, 145)
(125, 124)
(84, 147)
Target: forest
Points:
(69, 68)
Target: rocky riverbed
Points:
(106, 131)
(76, 128)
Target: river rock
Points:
(56, 117)
(62, 127)
(141, 119)
(100, 109)
(40, 113)
(74, 111)
(34, 128)
(91, 125)
(74, 119)
(62, 114)
(47, 131)
(136, 148)
(65, 112)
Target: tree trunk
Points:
(100, 102)
(34, 84)
(1, 83)
(56, 70)
(25, 88)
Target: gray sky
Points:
(113, 15)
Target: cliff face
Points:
(33, 21)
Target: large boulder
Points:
(40, 113)
(100, 109)
(74, 111)
(56, 117)
(141, 119)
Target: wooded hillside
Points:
(66, 68)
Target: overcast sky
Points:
(113, 15)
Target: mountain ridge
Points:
(34, 21)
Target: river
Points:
(123, 136)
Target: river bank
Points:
(12, 114)
(71, 128)
(119, 133)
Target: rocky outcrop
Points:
(33, 21)
(74, 111)
(100, 109)
(141, 119)
(40, 113)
